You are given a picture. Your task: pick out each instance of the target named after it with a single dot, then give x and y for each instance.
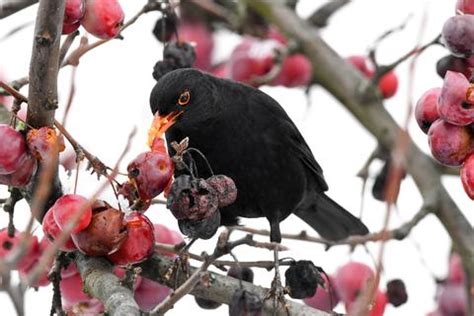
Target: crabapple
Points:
(67, 207)
(467, 176)
(426, 110)
(454, 105)
(351, 278)
(458, 35)
(21, 177)
(199, 34)
(295, 71)
(325, 297)
(52, 231)
(103, 18)
(13, 150)
(149, 294)
(450, 144)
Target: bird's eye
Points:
(184, 98)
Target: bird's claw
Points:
(277, 292)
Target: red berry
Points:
(221, 70)
(198, 33)
(70, 28)
(43, 278)
(455, 270)
(149, 294)
(426, 110)
(453, 105)
(67, 207)
(21, 177)
(465, 6)
(138, 244)
(71, 290)
(274, 34)
(12, 149)
(44, 142)
(388, 84)
(322, 300)
(7, 244)
(452, 300)
(377, 307)
(103, 18)
(252, 58)
(69, 271)
(151, 172)
(51, 231)
(105, 233)
(74, 11)
(165, 235)
(351, 278)
(455, 64)
(450, 144)
(467, 176)
(458, 35)
(296, 71)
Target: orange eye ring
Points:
(184, 98)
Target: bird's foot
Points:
(277, 294)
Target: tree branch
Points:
(10, 7)
(101, 283)
(346, 84)
(221, 288)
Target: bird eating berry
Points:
(246, 135)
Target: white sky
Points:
(113, 85)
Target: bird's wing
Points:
(290, 132)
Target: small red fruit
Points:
(74, 11)
(363, 64)
(44, 142)
(21, 177)
(377, 307)
(151, 172)
(450, 144)
(149, 294)
(350, 279)
(7, 244)
(452, 300)
(139, 242)
(252, 58)
(103, 18)
(105, 233)
(199, 34)
(388, 85)
(465, 6)
(70, 28)
(426, 110)
(322, 300)
(71, 290)
(455, 270)
(296, 71)
(67, 206)
(51, 231)
(467, 176)
(453, 106)
(165, 235)
(12, 149)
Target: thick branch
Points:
(101, 283)
(44, 65)
(346, 84)
(221, 288)
(9, 7)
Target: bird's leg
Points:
(277, 291)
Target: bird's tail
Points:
(331, 220)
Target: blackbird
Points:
(246, 135)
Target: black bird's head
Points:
(183, 97)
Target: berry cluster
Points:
(101, 18)
(349, 281)
(195, 203)
(18, 156)
(388, 83)
(446, 114)
(250, 61)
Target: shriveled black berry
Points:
(225, 188)
(302, 279)
(206, 304)
(396, 292)
(182, 54)
(244, 274)
(204, 229)
(245, 303)
(162, 67)
(192, 199)
(165, 27)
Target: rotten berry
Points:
(396, 292)
(225, 189)
(204, 228)
(302, 279)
